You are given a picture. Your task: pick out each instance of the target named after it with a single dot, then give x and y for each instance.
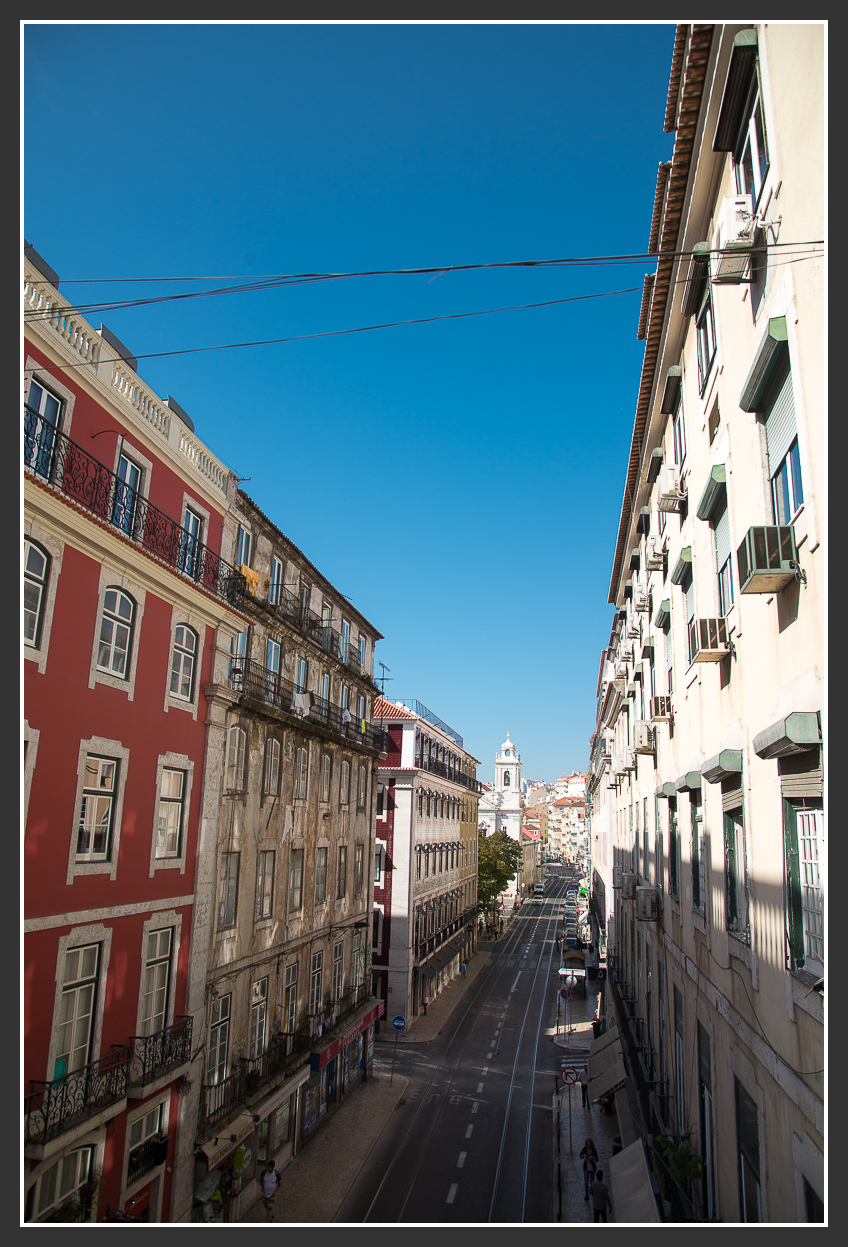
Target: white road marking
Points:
(461, 1159)
(479, 1087)
(452, 1192)
(515, 984)
(468, 1132)
(488, 1056)
(475, 1106)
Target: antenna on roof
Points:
(382, 678)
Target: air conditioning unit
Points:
(628, 887)
(625, 653)
(653, 555)
(710, 640)
(660, 709)
(670, 493)
(643, 737)
(767, 558)
(634, 627)
(620, 670)
(647, 904)
(736, 239)
(642, 599)
(616, 876)
(629, 758)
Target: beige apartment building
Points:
(706, 775)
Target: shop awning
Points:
(600, 1062)
(631, 1189)
(228, 1138)
(607, 1082)
(264, 1107)
(322, 1056)
(798, 731)
(603, 1041)
(722, 766)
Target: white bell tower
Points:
(508, 770)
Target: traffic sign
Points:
(565, 993)
(602, 974)
(569, 1076)
(399, 1022)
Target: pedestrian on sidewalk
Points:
(601, 1201)
(590, 1158)
(584, 1088)
(426, 1002)
(270, 1180)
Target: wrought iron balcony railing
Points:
(69, 468)
(146, 1156)
(253, 680)
(221, 1099)
(451, 773)
(153, 1055)
(286, 1052)
(53, 1107)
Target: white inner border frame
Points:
(55, 549)
(77, 938)
(101, 747)
(181, 617)
(177, 762)
(115, 578)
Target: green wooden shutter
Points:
(794, 912)
(730, 870)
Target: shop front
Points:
(339, 1064)
(219, 1166)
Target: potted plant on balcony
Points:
(160, 1147)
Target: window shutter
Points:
(801, 774)
(730, 870)
(722, 538)
(794, 911)
(731, 793)
(696, 866)
(690, 599)
(780, 423)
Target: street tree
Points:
(498, 861)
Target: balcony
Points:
(87, 1096)
(158, 1056)
(450, 773)
(256, 683)
(283, 604)
(147, 1156)
(286, 1052)
(66, 467)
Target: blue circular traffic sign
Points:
(399, 1022)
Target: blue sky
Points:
(460, 481)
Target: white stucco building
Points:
(501, 808)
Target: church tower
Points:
(508, 770)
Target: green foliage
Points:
(681, 1164)
(498, 861)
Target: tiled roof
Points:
(384, 709)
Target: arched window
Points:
(272, 767)
(116, 623)
(182, 663)
(36, 576)
(236, 745)
(506, 779)
(325, 777)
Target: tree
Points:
(498, 861)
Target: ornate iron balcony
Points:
(53, 1107)
(153, 1055)
(65, 466)
(147, 1156)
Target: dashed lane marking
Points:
(454, 1187)
(468, 1132)
(475, 1106)
(479, 1087)
(461, 1159)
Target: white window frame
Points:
(99, 746)
(243, 545)
(264, 885)
(55, 549)
(326, 778)
(53, 1160)
(216, 1024)
(295, 888)
(358, 867)
(344, 783)
(160, 921)
(190, 503)
(258, 1030)
(31, 737)
(232, 771)
(176, 762)
(221, 897)
(275, 582)
(181, 619)
(747, 138)
(34, 371)
(316, 984)
(361, 787)
(301, 773)
(271, 767)
(112, 579)
(341, 872)
(338, 971)
(78, 937)
(322, 857)
(162, 1101)
(705, 334)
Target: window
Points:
(418, 862)
(646, 861)
(361, 707)
(378, 863)
(699, 863)
(724, 561)
(301, 675)
(341, 873)
(305, 595)
(258, 1019)
(265, 885)
(296, 879)
(750, 155)
(116, 624)
(691, 627)
(156, 982)
(182, 663)
(219, 1039)
(706, 340)
(275, 591)
(228, 890)
(338, 971)
(42, 421)
(62, 1181)
(325, 777)
(787, 489)
(315, 983)
(803, 829)
(381, 797)
(142, 1129)
(678, 429)
(344, 785)
(301, 773)
(169, 818)
(125, 509)
(748, 1152)
(243, 548)
(323, 707)
(362, 651)
(360, 789)
(345, 697)
(36, 576)
(356, 960)
(673, 850)
(236, 745)
(736, 890)
(77, 1009)
(679, 1064)
(272, 669)
(239, 648)
(191, 537)
(290, 999)
(94, 836)
(320, 876)
(344, 640)
(358, 868)
(271, 782)
(706, 1114)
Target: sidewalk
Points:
(315, 1184)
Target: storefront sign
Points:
(317, 1060)
(228, 1138)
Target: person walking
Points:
(270, 1180)
(584, 1087)
(601, 1201)
(426, 1002)
(590, 1158)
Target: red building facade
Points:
(123, 591)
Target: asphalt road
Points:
(473, 1138)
